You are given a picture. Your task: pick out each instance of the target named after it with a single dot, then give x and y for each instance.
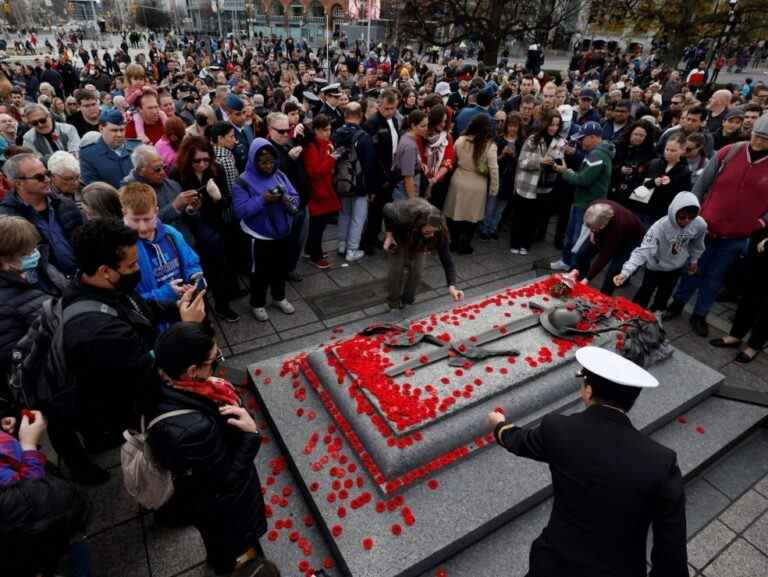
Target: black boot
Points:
(675, 309)
(699, 325)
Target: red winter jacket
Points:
(319, 164)
(736, 200)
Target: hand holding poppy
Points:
(495, 418)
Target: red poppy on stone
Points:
(700, 430)
(682, 419)
(367, 543)
(336, 530)
(433, 484)
(396, 529)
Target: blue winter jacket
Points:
(272, 221)
(166, 258)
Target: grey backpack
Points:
(144, 479)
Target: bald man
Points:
(718, 106)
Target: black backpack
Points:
(348, 178)
(39, 377)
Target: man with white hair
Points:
(718, 107)
(65, 175)
(176, 207)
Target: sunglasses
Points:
(40, 177)
(38, 122)
(158, 169)
(281, 130)
(201, 160)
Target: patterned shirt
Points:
(226, 161)
(17, 464)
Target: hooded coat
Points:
(667, 246)
(258, 218)
(593, 180)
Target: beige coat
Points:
(470, 184)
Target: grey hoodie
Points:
(666, 246)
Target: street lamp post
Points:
(727, 27)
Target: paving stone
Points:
(376, 309)
(247, 328)
(708, 543)
(350, 275)
(702, 504)
(375, 265)
(254, 344)
(736, 375)
(762, 486)
(700, 349)
(172, 551)
(757, 534)
(304, 315)
(745, 510)
(120, 552)
(309, 329)
(110, 504)
(344, 319)
(200, 570)
(740, 559)
(742, 468)
(315, 285)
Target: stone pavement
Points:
(727, 502)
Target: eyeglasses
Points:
(39, 177)
(39, 121)
(72, 178)
(158, 169)
(690, 149)
(282, 131)
(201, 160)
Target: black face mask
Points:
(201, 120)
(128, 282)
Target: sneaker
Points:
(523, 251)
(495, 235)
(484, 237)
(322, 264)
(285, 306)
(559, 265)
(514, 251)
(342, 249)
(260, 314)
(699, 325)
(355, 255)
(226, 314)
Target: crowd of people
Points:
(132, 186)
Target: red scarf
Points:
(217, 390)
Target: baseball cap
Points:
(588, 94)
(589, 129)
(761, 126)
(443, 88)
(112, 116)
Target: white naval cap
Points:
(332, 89)
(615, 368)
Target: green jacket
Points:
(594, 177)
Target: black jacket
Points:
(20, 303)
(66, 212)
(381, 135)
(679, 180)
(215, 479)
(294, 170)
(366, 152)
(109, 356)
(611, 483)
(38, 517)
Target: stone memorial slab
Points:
(394, 502)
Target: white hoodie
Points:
(666, 245)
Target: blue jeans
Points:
(354, 211)
(572, 233)
(718, 257)
(494, 209)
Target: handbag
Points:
(642, 193)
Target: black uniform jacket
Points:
(611, 483)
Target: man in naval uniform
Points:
(109, 158)
(611, 482)
(330, 107)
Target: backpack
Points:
(348, 180)
(144, 479)
(39, 377)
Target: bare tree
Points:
(489, 22)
